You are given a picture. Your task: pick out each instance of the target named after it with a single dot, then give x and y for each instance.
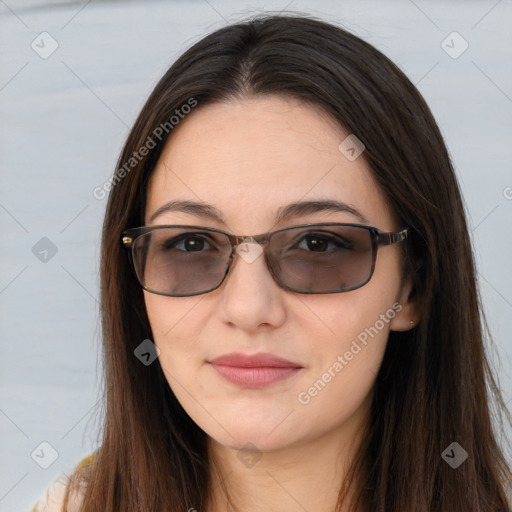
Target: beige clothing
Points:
(53, 499)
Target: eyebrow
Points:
(287, 212)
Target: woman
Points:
(329, 356)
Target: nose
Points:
(250, 295)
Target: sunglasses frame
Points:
(377, 237)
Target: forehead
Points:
(250, 157)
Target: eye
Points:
(321, 242)
(186, 243)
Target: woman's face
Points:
(248, 159)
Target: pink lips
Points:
(254, 371)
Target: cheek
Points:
(168, 315)
(345, 361)
(175, 328)
(333, 322)
(347, 343)
(161, 312)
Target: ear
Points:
(409, 315)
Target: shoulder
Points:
(53, 498)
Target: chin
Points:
(252, 443)
(254, 436)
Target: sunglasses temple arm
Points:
(392, 238)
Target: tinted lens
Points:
(323, 259)
(181, 261)
(319, 259)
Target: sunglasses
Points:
(331, 257)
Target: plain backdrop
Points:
(64, 117)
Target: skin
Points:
(248, 157)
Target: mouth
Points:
(254, 371)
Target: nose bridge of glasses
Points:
(249, 254)
(237, 240)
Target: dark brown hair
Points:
(435, 385)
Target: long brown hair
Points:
(435, 385)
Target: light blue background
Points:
(63, 122)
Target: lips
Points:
(254, 371)
(254, 361)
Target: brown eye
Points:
(186, 243)
(324, 243)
